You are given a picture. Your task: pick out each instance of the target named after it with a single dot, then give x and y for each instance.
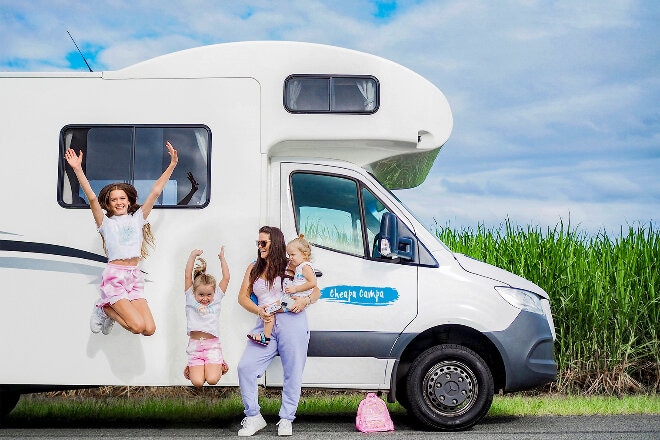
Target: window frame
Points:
(62, 161)
(366, 245)
(297, 217)
(330, 78)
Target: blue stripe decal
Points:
(50, 249)
(351, 344)
(361, 295)
(24, 263)
(379, 345)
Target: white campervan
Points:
(306, 137)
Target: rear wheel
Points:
(8, 400)
(449, 387)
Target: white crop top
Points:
(299, 279)
(204, 318)
(123, 235)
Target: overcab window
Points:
(331, 94)
(137, 155)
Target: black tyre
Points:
(402, 393)
(450, 388)
(8, 400)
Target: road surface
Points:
(491, 428)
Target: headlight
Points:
(521, 299)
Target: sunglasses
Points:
(262, 243)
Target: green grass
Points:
(40, 409)
(561, 405)
(604, 293)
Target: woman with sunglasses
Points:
(290, 338)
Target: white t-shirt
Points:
(299, 279)
(123, 235)
(203, 318)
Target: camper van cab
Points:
(306, 137)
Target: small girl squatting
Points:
(203, 303)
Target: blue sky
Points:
(555, 103)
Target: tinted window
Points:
(339, 213)
(373, 212)
(331, 94)
(327, 211)
(137, 155)
(308, 94)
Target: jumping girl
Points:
(126, 234)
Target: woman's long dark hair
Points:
(276, 262)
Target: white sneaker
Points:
(250, 425)
(106, 328)
(284, 427)
(97, 319)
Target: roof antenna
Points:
(83, 56)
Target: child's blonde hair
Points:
(301, 244)
(200, 277)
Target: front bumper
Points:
(527, 350)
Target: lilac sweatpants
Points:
(290, 339)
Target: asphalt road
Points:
(491, 428)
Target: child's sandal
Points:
(260, 339)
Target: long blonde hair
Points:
(200, 277)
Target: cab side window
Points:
(373, 212)
(336, 212)
(327, 211)
(137, 155)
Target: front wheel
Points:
(449, 387)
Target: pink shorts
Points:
(121, 282)
(204, 351)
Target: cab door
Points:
(366, 301)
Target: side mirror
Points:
(390, 244)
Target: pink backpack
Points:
(372, 415)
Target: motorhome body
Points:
(301, 136)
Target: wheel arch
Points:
(406, 350)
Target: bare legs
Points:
(209, 373)
(135, 316)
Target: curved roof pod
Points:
(413, 117)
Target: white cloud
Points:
(471, 210)
(555, 104)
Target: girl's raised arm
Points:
(190, 264)
(158, 187)
(75, 161)
(224, 282)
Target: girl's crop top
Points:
(123, 235)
